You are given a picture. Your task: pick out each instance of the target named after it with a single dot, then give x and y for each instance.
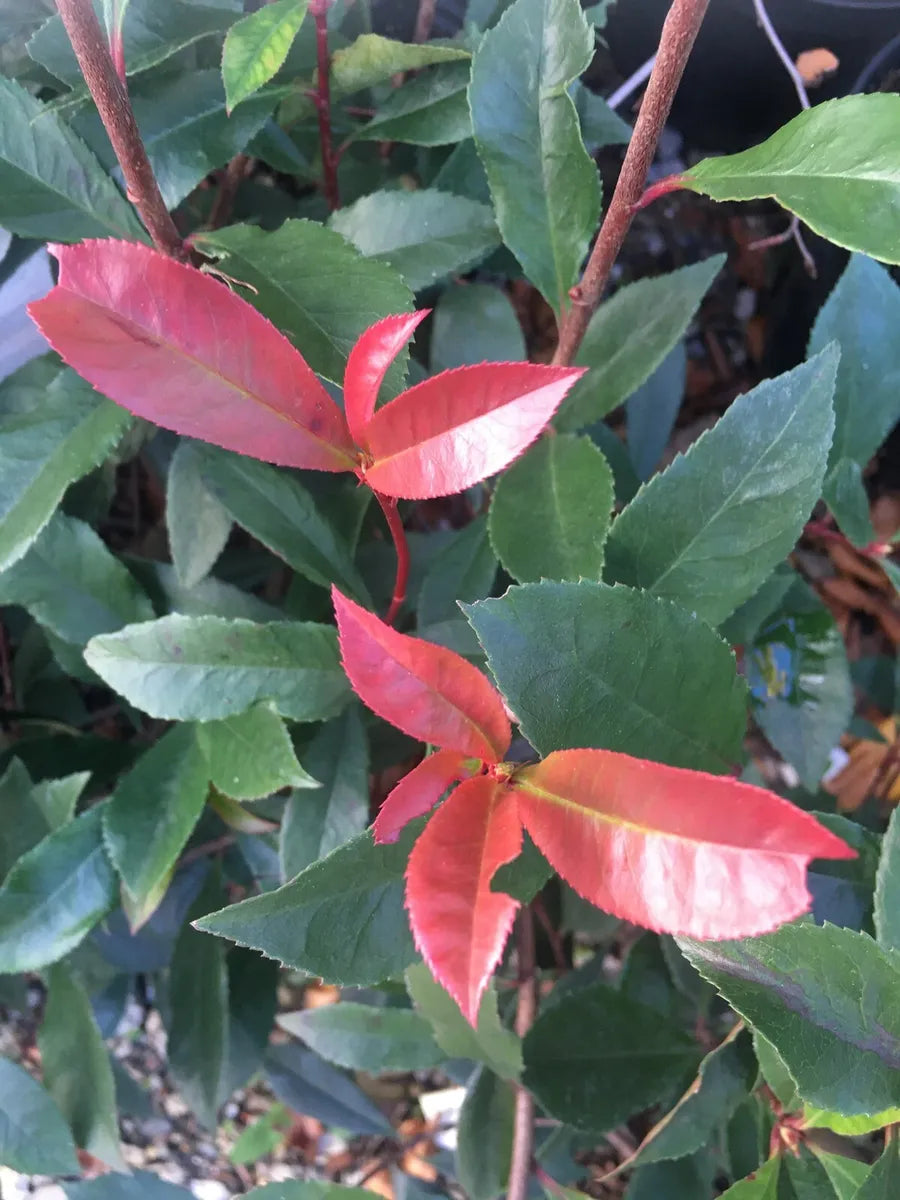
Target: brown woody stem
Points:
(115, 111)
(676, 40)
(523, 1119)
(322, 101)
(398, 533)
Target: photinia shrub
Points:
(578, 671)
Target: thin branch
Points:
(322, 101)
(794, 233)
(676, 40)
(523, 1119)
(778, 46)
(398, 533)
(115, 111)
(631, 84)
(424, 20)
(234, 173)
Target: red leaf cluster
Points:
(677, 851)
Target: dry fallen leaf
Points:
(869, 768)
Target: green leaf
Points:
(887, 887)
(424, 235)
(650, 411)
(197, 523)
(203, 668)
(47, 440)
(543, 182)
(565, 655)
(821, 1118)
(474, 323)
(374, 59)
(366, 1038)
(198, 997)
(834, 166)
(799, 677)
(629, 336)
(151, 815)
(431, 109)
(550, 511)
(278, 511)
(575, 1048)
(801, 988)
(861, 314)
(34, 1138)
(256, 47)
(491, 1043)
(682, 1179)
(884, 1178)
(51, 185)
(709, 530)
(77, 1070)
(141, 1185)
(305, 924)
(307, 1189)
(185, 128)
(303, 1080)
(262, 1136)
(55, 895)
(24, 822)
(600, 124)
(251, 754)
(845, 1175)
(484, 1136)
(252, 1001)
(775, 1073)
(314, 286)
(845, 494)
(72, 585)
(724, 1079)
(524, 877)
(464, 571)
(57, 798)
(317, 822)
(761, 1185)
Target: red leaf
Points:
(420, 790)
(426, 690)
(461, 426)
(677, 851)
(458, 923)
(367, 366)
(175, 346)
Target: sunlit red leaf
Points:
(175, 346)
(677, 851)
(420, 790)
(461, 426)
(458, 923)
(367, 366)
(426, 690)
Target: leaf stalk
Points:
(322, 101)
(398, 533)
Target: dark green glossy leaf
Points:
(887, 888)
(204, 668)
(48, 439)
(582, 664)
(366, 1038)
(484, 1136)
(682, 1179)
(629, 336)
(423, 235)
(474, 323)
(315, 822)
(544, 185)
(34, 1138)
(464, 571)
(77, 1070)
(801, 987)
(308, 1084)
(550, 511)
(252, 1000)
(256, 47)
(314, 286)
(197, 523)
(833, 166)
(251, 754)
(55, 895)
(574, 1049)
(307, 923)
(431, 109)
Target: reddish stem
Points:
(523, 1118)
(398, 533)
(675, 43)
(97, 67)
(322, 101)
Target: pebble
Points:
(48, 1191)
(210, 1189)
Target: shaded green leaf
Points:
(884, 1178)
(524, 877)
(197, 523)
(629, 336)
(24, 821)
(252, 1001)
(582, 664)
(887, 887)
(424, 235)
(431, 109)
(55, 895)
(77, 1069)
(708, 530)
(142, 1185)
(544, 185)
(474, 323)
(464, 571)
(307, 1189)
(600, 124)
(845, 494)
(761, 1185)
(833, 165)
(366, 1038)
(550, 511)
(204, 668)
(484, 1136)
(256, 47)
(373, 59)
(251, 755)
(34, 1138)
(341, 918)
(48, 438)
(308, 1084)
(802, 987)
(650, 411)
(57, 798)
